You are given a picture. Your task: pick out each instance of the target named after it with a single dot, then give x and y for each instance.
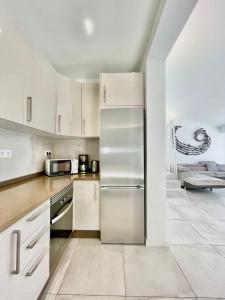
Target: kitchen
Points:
(72, 136)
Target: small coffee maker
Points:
(83, 163)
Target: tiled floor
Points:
(191, 267)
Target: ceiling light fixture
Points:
(1, 31)
(89, 26)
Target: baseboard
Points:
(82, 234)
(150, 243)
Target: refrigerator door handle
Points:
(124, 187)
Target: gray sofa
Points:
(209, 168)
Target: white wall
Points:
(27, 153)
(216, 151)
(156, 153)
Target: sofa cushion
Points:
(211, 166)
(186, 169)
(204, 162)
(220, 174)
(221, 167)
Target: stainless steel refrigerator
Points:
(122, 176)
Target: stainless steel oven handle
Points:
(38, 237)
(53, 221)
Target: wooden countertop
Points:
(19, 199)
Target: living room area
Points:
(195, 112)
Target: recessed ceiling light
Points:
(89, 26)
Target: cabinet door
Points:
(68, 120)
(14, 67)
(40, 96)
(121, 89)
(90, 109)
(86, 199)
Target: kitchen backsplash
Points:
(72, 148)
(28, 153)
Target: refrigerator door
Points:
(122, 147)
(122, 215)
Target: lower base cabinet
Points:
(24, 256)
(86, 205)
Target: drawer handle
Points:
(18, 241)
(104, 94)
(36, 264)
(29, 109)
(37, 238)
(37, 214)
(59, 123)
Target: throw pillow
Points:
(211, 166)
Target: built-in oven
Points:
(61, 211)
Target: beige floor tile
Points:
(95, 271)
(84, 297)
(204, 269)
(153, 298)
(154, 272)
(213, 232)
(89, 242)
(217, 212)
(193, 213)
(221, 250)
(182, 233)
(47, 297)
(57, 277)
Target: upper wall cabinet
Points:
(77, 108)
(27, 84)
(40, 95)
(121, 89)
(90, 109)
(68, 120)
(15, 57)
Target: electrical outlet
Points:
(48, 153)
(5, 153)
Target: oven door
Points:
(61, 228)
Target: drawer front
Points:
(35, 276)
(39, 240)
(35, 220)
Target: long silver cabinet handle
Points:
(29, 109)
(53, 221)
(136, 187)
(38, 237)
(104, 94)
(18, 241)
(83, 126)
(31, 271)
(59, 122)
(37, 214)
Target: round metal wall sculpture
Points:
(200, 135)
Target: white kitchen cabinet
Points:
(15, 58)
(23, 270)
(68, 121)
(121, 89)
(90, 109)
(86, 205)
(40, 95)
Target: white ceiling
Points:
(118, 42)
(195, 76)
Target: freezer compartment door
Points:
(122, 215)
(122, 146)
